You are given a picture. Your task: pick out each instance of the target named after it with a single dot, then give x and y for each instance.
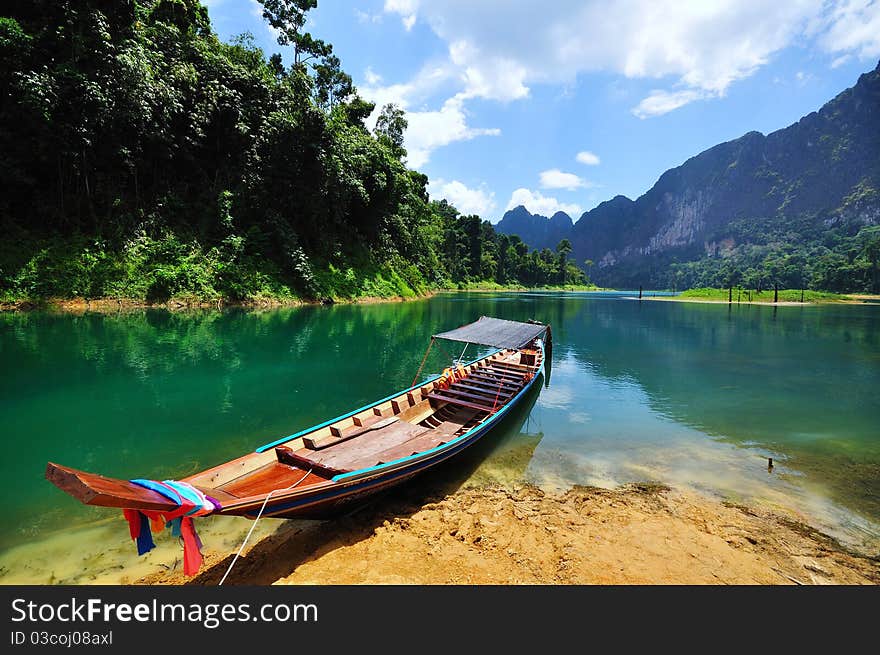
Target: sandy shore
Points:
(637, 534)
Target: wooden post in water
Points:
(730, 294)
(802, 295)
(769, 464)
(775, 292)
(640, 292)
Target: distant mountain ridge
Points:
(537, 231)
(778, 206)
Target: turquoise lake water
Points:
(689, 394)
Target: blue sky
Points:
(562, 105)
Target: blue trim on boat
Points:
(428, 458)
(446, 451)
(278, 442)
(493, 419)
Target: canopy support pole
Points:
(424, 359)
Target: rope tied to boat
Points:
(422, 365)
(259, 514)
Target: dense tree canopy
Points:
(144, 157)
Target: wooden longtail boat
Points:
(320, 471)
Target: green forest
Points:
(144, 158)
(839, 259)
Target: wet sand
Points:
(636, 534)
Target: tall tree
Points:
(390, 128)
(563, 249)
(288, 18)
(332, 84)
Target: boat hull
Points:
(344, 497)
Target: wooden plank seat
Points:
(476, 398)
(500, 370)
(490, 376)
(344, 455)
(286, 455)
(451, 414)
(497, 370)
(492, 384)
(512, 366)
(420, 443)
(490, 389)
(458, 401)
(337, 435)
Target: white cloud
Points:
(495, 78)
(429, 81)
(372, 78)
(406, 9)
(367, 18)
(540, 204)
(499, 48)
(588, 158)
(429, 130)
(803, 78)
(557, 179)
(853, 28)
(468, 201)
(662, 102)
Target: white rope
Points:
(259, 514)
(461, 356)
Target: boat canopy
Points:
(495, 332)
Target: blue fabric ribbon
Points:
(159, 489)
(188, 494)
(145, 537)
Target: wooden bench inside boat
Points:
(392, 441)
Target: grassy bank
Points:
(85, 273)
(148, 270)
(765, 296)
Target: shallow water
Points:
(692, 394)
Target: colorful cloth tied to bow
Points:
(190, 503)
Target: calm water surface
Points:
(691, 394)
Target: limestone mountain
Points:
(797, 207)
(537, 231)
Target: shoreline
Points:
(640, 533)
(112, 305)
(854, 299)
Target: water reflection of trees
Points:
(161, 394)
